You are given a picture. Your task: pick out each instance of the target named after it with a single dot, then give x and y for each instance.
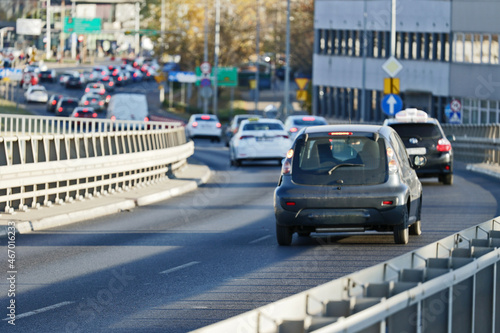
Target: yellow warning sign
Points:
(302, 82)
(301, 95)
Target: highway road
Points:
(204, 256)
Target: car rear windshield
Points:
(312, 122)
(262, 127)
(339, 160)
(205, 119)
(69, 104)
(421, 131)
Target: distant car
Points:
(48, 75)
(36, 93)
(74, 82)
(95, 101)
(423, 135)
(293, 124)
(63, 78)
(136, 75)
(259, 139)
(52, 102)
(108, 82)
(128, 106)
(84, 112)
(348, 177)
(99, 72)
(235, 124)
(204, 126)
(95, 88)
(89, 76)
(65, 106)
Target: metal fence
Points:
(475, 143)
(47, 160)
(448, 286)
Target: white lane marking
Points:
(180, 267)
(259, 239)
(34, 312)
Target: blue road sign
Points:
(205, 82)
(454, 117)
(391, 104)
(183, 77)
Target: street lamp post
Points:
(47, 44)
(287, 61)
(257, 51)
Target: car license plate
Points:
(416, 151)
(265, 139)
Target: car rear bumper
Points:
(436, 166)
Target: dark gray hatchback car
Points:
(348, 178)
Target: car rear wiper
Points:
(343, 165)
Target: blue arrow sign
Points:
(391, 104)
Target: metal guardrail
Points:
(452, 285)
(47, 160)
(475, 143)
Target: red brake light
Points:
(77, 114)
(87, 89)
(60, 109)
(103, 73)
(54, 102)
(94, 115)
(387, 203)
(101, 103)
(86, 103)
(293, 129)
(205, 117)
(111, 84)
(290, 203)
(113, 118)
(340, 133)
(194, 124)
(119, 78)
(146, 118)
(308, 118)
(443, 145)
(218, 125)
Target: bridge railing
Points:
(475, 143)
(452, 285)
(48, 160)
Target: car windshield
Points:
(205, 118)
(262, 127)
(308, 122)
(342, 160)
(69, 104)
(421, 131)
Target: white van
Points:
(128, 106)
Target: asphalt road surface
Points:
(205, 256)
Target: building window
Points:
(475, 48)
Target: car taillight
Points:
(293, 129)
(119, 78)
(290, 203)
(77, 115)
(113, 118)
(111, 84)
(387, 203)
(87, 89)
(195, 124)
(54, 102)
(103, 91)
(393, 165)
(443, 145)
(94, 115)
(218, 125)
(86, 103)
(146, 118)
(286, 168)
(243, 137)
(60, 109)
(101, 103)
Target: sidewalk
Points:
(186, 179)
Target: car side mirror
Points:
(451, 138)
(419, 161)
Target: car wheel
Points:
(446, 179)
(284, 235)
(401, 232)
(416, 228)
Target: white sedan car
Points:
(204, 126)
(293, 124)
(36, 93)
(259, 139)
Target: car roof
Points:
(347, 128)
(411, 116)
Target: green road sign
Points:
(226, 76)
(82, 25)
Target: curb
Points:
(83, 214)
(484, 169)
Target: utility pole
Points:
(61, 38)
(287, 59)
(205, 53)
(217, 50)
(257, 51)
(48, 51)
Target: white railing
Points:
(47, 160)
(448, 286)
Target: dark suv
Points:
(65, 106)
(348, 178)
(423, 135)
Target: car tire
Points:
(446, 179)
(284, 235)
(401, 232)
(416, 228)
